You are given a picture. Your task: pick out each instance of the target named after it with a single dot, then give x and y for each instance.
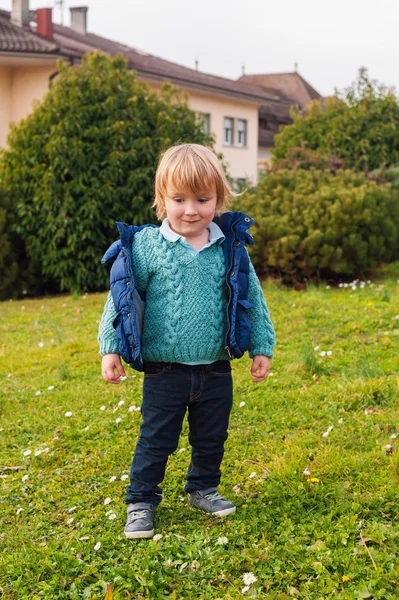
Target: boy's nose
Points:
(191, 210)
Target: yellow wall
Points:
(5, 102)
(19, 88)
(21, 85)
(241, 161)
(28, 84)
(264, 156)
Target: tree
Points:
(86, 157)
(359, 127)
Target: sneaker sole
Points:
(223, 513)
(219, 513)
(132, 535)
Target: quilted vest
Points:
(130, 303)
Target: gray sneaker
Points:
(211, 502)
(140, 520)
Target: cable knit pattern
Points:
(186, 302)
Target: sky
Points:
(329, 40)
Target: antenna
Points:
(296, 67)
(243, 70)
(196, 64)
(60, 3)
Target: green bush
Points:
(311, 224)
(358, 126)
(86, 157)
(8, 264)
(303, 158)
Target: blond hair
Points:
(194, 167)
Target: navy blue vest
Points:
(130, 303)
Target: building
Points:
(242, 115)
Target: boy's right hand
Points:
(109, 364)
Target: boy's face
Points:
(189, 214)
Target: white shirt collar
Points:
(215, 233)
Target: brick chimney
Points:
(44, 23)
(20, 13)
(79, 18)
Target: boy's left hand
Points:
(261, 363)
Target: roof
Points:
(14, 39)
(293, 85)
(71, 43)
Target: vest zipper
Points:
(128, 278)
(227, 347)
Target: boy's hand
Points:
(109, 364)
(261, 363)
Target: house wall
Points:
(19, 88)
(264, 156)
(5, 103)
(241, 161)
(29, 84)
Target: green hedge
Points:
(311, 224)
(84, 158)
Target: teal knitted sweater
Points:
(186, 302)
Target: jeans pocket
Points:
(154, 369)
(221, 368)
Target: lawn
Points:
(311, 460)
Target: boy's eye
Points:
(202, 200)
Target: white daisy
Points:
(27, 452)
(249, 578)
(112, 516)
(50, 387)
(124, 477)
(121, 402)
(113, 478)
(242, 404)
(157, 537)
(107, 501)
(97, 546)
(102, 407)
(222, 540)
(68, 414)
(19, 510)
(252, 475)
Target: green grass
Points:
(298, 536)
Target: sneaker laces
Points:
(213, 496)
(137, 514)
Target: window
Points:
(228, 131)
(241, 132)
(204, 121)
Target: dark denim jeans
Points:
(169, 390)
